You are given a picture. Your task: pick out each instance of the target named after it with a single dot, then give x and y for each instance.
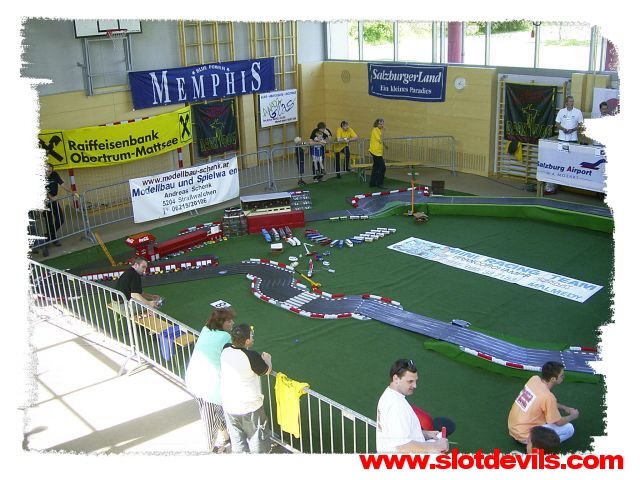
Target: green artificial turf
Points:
(348, 360)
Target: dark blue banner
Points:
(418, 83)
(155, 88)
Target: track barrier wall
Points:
(156, 339)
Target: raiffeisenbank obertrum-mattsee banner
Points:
(107, 145)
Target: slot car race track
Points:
(375, 203)
(274, 283)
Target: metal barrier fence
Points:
(435, 152)
(325, 425)
(110, 204)
(296, 162)
(60, 219)
(107, 204)
(167, 344)
(254, 169)
(84, 300)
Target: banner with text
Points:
(153, 88)
(278, 107)
(529, 112)
(573, 165)
(551, 283)
(216, 129)
(179, 191)
(116, 144)
(418, 83)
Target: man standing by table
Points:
(569, 123)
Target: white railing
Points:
(166, 344)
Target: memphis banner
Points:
(154, 88)
(418, 83)
(551, 283)
(179, 191)
(117, 144)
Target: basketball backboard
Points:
(99, 28)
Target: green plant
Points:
(374, 33)
(504, 27)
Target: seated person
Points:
(543, 438)
(130, 283)
(535, 405)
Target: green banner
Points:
(529, 112)
(216, 130)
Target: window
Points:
(474, 42)
(415, 42)
(512, 43)
(377, 40)
(564, 45)
(343, 41)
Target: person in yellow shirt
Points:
(376, 149)
(536, 405)
(344, 135)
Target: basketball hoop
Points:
(116, 35)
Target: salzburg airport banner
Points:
(278, 107)
(117, 144)
(551, 283)
(171, 193)
(578, 166)
(154, 88)
(418, 83)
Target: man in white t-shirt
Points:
(240, 372)
(398, 428)
(569, 121)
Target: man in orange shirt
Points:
(536, 405)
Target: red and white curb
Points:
(356, 199)
(315, 294)
(504, 363)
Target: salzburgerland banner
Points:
(278, 107)
(179, 191)
(529, 112)
(216, 130)
(418, 83)
(552, 283)
(153, 88)
(117, 144)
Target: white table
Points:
(572, 165)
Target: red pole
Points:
(454, 41)
(74, 188)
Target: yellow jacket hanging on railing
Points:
(288, 393)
